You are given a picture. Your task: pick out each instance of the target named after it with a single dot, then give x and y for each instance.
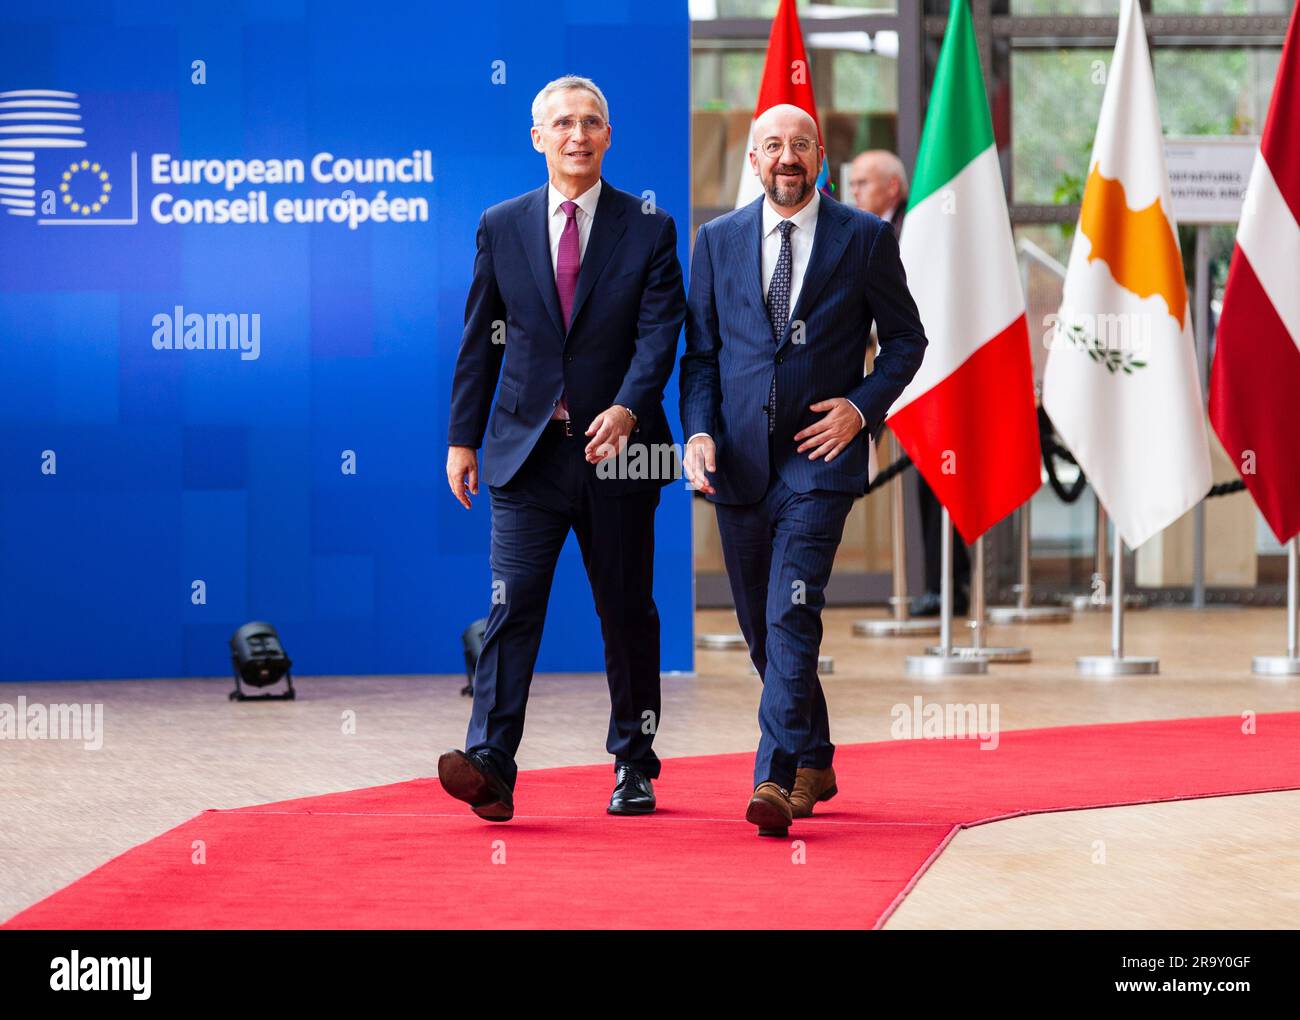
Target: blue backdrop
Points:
(129, 470)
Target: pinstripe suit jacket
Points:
(854, 276)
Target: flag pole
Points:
(947, 661)
(900, 625)
(1289, 664)
(1117, 663)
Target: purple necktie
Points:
(567, 264)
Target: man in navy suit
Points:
(577, 291)
(782, 297)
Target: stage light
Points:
(259, 660)
(472, 640)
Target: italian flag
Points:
(967, 419)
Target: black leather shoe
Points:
(474, 779)
(633, 794)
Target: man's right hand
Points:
(462, 472)
(700, 457)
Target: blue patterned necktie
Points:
(778, 309)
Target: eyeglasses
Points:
(802, 146)
(563, 125)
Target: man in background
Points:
(878, 182)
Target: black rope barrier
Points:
(897, 468)
(1051, 451)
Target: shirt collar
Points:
(802, 220)
(586, 201)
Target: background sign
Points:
(237, 242)
(1208, 176)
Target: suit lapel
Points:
(534, 232)
(607, 227)
(828, 248)
(745, 251)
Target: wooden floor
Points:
(174, 748)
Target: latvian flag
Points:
(1255, 382)
(968, 419)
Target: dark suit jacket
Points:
(854, 275)
(896, 221)
(619, 348)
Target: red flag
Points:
(786, 79)
(1255, 382)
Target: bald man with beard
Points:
(782, 298)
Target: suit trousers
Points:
(779, 552)
(555, 491)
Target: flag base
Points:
(895, 628)
(1110, 665)
(1030, 614)
(1085, 603)
(989, 653)
(952, 664)
(1275, 665)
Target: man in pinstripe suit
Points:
(782, 296)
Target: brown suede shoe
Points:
(810, 787)
(769, 809)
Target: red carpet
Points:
(406, 856)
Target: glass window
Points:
(1110, 8)
(1056, 98)
(709, 10)
(1214, 92)
(1221, 7)
(1080, 8)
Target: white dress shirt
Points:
(801, 242)
(583, 216)
(801, 245)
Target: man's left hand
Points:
(832, 433)
(609, 431)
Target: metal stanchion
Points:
(1022, 611)
(1117, 663)
(1288, 664)
(946, 661)
(977, 648)
(899, 625)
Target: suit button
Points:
(779, 360)
(568, 357)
